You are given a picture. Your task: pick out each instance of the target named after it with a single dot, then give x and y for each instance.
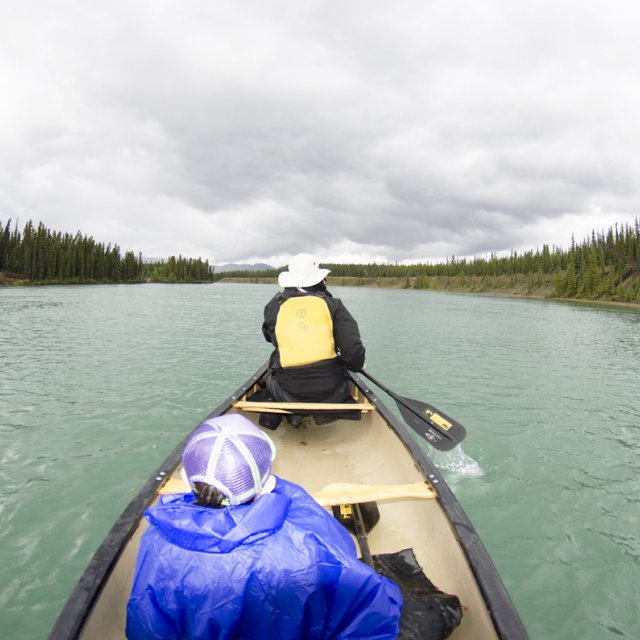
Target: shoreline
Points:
(400, 283)
(612, 303)
(439, 283)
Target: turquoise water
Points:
(98, 384)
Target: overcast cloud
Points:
(361, 130)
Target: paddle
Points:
(437, 428)
(361, 535)
(359, 519)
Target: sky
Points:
(381, 130)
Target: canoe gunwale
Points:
(498, 602)
(77, 608)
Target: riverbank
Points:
(16, 280)
(8, 279)
(539, 286)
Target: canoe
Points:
(375, 460)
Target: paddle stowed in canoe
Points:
(418, 534)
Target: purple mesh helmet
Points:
(230, 453)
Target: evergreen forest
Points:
(604, 266)
(38, 255)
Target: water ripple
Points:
(99, 383)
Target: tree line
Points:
(605, 265)
(40, 255)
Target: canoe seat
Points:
(258, 400)
(341, 492)
(292, 407)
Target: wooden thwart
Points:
(342, 492)
(291, 407)
(349, 493)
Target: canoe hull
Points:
(376, 450)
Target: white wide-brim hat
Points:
(303, 272)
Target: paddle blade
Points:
(440, 430)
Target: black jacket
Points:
(318, 380)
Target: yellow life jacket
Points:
(304, 331)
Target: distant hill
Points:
(221, 268)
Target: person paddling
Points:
(316, 340)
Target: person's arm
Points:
(145, 621)
(347, 338)
(265, 332)
(367, 605)
(145, 618)
(269, 324)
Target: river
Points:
(98, 384)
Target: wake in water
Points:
(458, 462)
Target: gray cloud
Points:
(251, 131)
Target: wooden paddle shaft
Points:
(361, 536)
